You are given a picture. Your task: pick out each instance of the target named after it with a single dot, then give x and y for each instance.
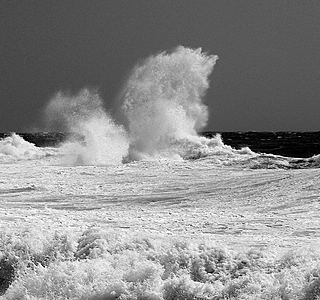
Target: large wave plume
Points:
(163, 101)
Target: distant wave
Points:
(245, 158)
(211, 150)
(14, 147)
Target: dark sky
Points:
(267, 77)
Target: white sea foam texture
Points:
(111, 265)
(101, 141)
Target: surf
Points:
(162, 111)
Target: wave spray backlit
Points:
(96, 139)
(163, 102)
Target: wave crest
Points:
(14, 147)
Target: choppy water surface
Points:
(231, 224)
(148, 208)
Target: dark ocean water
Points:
(290, 144)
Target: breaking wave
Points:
(95, 138)
(211, 151)
(163, 109)
(14, 147)
(163, 103)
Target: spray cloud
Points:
(102, 141)
(163, 100)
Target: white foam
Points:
(14, 147)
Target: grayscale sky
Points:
(267, 77)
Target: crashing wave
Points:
(100, 141)
(163, 106)
(14, 147)
(162, 102)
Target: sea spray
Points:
(96, 137)
(163, 102)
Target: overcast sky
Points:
(267, 77)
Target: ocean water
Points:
(284, 143)
(147, 207)
(221, 223)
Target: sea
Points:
(221, 222)
(143, 205)
(284, 143)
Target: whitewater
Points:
(140, 206)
